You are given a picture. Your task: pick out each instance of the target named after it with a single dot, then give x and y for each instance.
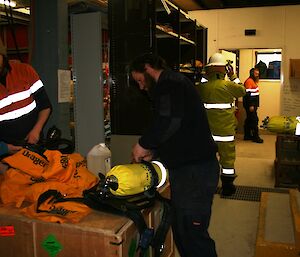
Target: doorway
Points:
(269, 85)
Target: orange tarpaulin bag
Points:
(14, 187)
(47, 209)
(27, 160)
(82, 177)
(60, 168)
(80, 180)
(31, 174)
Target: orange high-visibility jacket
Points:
(16, 97)
(252, 93)
(22, 97)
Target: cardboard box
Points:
(16, 234)
(98, 235)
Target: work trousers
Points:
(192, 191)
(251, 123)
(227, 154)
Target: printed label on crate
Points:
(51, 245)
(7, 231)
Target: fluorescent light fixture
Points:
(23, 10)
(8, 3)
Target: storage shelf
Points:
(167, 34)
(187, 40)
(169, 5)
(174, 36)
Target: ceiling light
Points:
(8, 3)
(25, 10)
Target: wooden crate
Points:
(98, 235)
(264, 247)
(288, 148)
(295, 210)
(287, 174)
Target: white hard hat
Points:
(216, 59)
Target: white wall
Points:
(276, 27)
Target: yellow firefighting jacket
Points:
(218, 96)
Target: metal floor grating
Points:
(248, 193)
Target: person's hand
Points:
(33, 136)
(251, 108)
(139, 153)
(229, 70)
(13, 148)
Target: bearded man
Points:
(181, 138)
(251, 104)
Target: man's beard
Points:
(256, 79)
(149, 81)
(149, 85)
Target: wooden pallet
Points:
(275, 234)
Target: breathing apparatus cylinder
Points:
(132, 179)
(98, 159)
(283, 124)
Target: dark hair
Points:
(155, 61)
(252, 71)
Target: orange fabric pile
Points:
(31, 174)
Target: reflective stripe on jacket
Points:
(16, 97)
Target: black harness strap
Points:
(164, 225)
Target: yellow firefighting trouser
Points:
(226, 151)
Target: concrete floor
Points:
(234, 222)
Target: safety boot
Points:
(258, 140)
(228, 188)
(256, 137)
